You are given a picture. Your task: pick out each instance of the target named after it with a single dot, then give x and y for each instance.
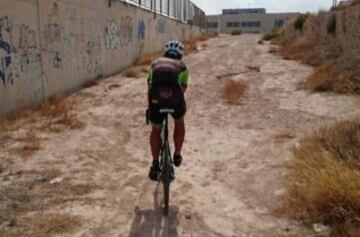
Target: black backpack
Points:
(165, 90)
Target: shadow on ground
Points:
(152, 222)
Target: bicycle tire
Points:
(166, 197)
(167, 179)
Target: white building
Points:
(250, 20)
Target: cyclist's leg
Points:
(155, 141)
(179, 133)
(156, 120)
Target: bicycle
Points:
(167, 172)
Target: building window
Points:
(233, 24)
(212, 25)
(250, 24)
(279, 23)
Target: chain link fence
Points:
(182, 10)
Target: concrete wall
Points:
(267, 21)
(347, 35)
(54, 46)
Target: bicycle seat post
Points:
(166, 122)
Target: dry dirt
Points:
(236, 155)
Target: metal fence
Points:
(181, 10)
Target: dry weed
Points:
(335, 77)
(191, 42)
(45, 225)
(60, 111)
(147, 59)
(144, 69)
(131, 72)
(334, 72)
(234, 91)
(31, 141)
(24, 205)
(300, 50)
(190, 45)
(5, 162)
(90, 83)
(324, 181)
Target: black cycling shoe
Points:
(177, 160)
(155, 171)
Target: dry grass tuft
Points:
(50, 224)
(324, 181)
(61, 111)
(25, 205)
(190, 45)
(31, 141)
(334, 77)
(90, 83)
(334, 72)
(207, 35)
(304, 50)
(131, 72)
(192, 42)
(147, 59)
(144, 69)
(5, 162)
(234, 91)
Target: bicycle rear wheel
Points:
(166, 198)
(167, 178)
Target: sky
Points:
(215, 6)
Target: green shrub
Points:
(300, 21)
(271, 35)
(236, 32)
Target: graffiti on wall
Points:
(116, 35)
(93, 49)
(161, 26)
(55, 37)
(20, 57)
(27, 38)
(141, 30)
(5, 50)
(126, 30)
(112, 35)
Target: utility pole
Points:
(334, 3)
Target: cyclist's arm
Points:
(183, 79)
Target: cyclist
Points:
(167, 82)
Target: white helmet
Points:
(174, 49)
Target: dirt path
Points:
(235, 156)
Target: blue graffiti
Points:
(141, 30)
(57, 60)
(5, 45)
(161, 26)
(6, 61)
